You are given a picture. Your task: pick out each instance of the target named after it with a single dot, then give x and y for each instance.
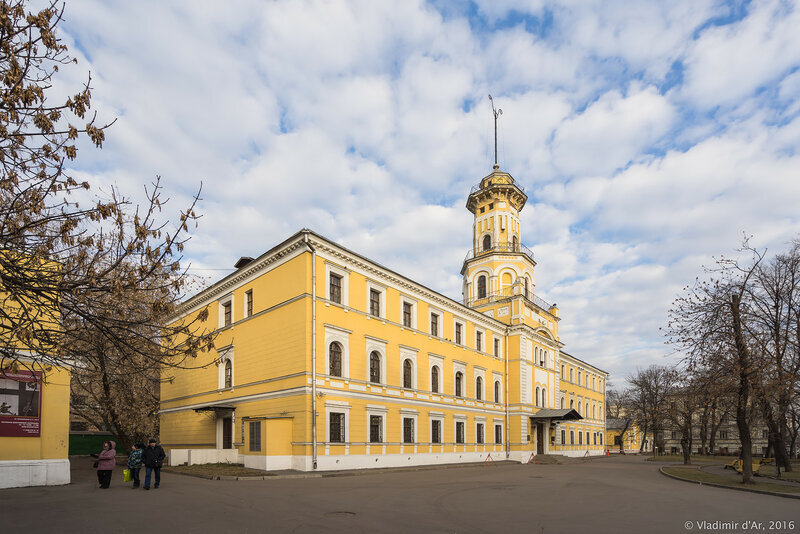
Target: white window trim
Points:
(483, 339)
(456, 321)
(342, 336)
(436, 416)
(408, 300)
(337, 407)
(481, 421)
(378, 346)
(459, 418)
(435, 359)
(478, 372)
(497, 377)
(380, 289)
(496, 336)
(226, 354)
(439, 323)
(344, 273)
(458, 366)
(221, 303)
(406, 354)
(244, 303)
(406, 413)
(379, 411)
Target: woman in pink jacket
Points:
(106, 461)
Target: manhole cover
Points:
(343, 513)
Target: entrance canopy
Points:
(215, 408)
(561, 414)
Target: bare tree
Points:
(648, 398)
(86, 280)
(710, 325)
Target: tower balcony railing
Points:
(507, 293)
(502, 247)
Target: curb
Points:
(751, 490)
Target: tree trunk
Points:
(644, 439)
(743, 393)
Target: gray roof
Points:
(560, 413)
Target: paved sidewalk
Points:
(595, 496)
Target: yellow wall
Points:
(53, 441)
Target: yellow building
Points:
(34, 398)
(396, 373)
(628, 435)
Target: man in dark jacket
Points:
(153, 456)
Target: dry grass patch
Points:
(698, 475)
(213, 470)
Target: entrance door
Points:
(227, 433)
(539, 438)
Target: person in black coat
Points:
(153, 457)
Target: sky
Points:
(649, 136)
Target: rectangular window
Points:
(375, 302)
(226, 311)
(336, 288)
(434, 324)
(723, 434)
(255, 435)
(617, 440)
(478, 340)
(479, 433)
(375, 429)
(498, 434)
(336, 428)
(408, 430)
(563, 437)
(675, 435)
(459, 431)
(496, 348)
(407, 314)
(595, 438)
(572, 437)
(580, 438)
(765, 434)
(436, 431)
(248, 302)
(459, 326)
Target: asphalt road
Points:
(617, 494)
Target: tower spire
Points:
(496, 112)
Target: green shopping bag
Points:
(126, 475)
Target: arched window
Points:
(407, 374)
(335, 359)
(537, 397)
(562, 403)
(571, 404)
(228, 374)
(459, 380)
(435, 379)
(497, 391)
(375, 367)
(563, 376)
(514, 246)
(586, 412)
(601, 438)
(487, 242)
(544, 398)
(594, 412)
(600, 412)
(482, 287)
(526, 287)
(479, 388)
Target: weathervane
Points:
(496, 113)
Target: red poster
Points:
(20, 403)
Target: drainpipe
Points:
(313, 351)
(508, 449)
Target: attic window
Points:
(491, 206)
(483, 209)
(244, 260)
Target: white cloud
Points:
(368, 122)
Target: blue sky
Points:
(650, 136)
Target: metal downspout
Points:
(313, 352)
(508, 450)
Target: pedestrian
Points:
(153, 457)
(135, 462)
(106, 461)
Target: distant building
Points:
(396, 373)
